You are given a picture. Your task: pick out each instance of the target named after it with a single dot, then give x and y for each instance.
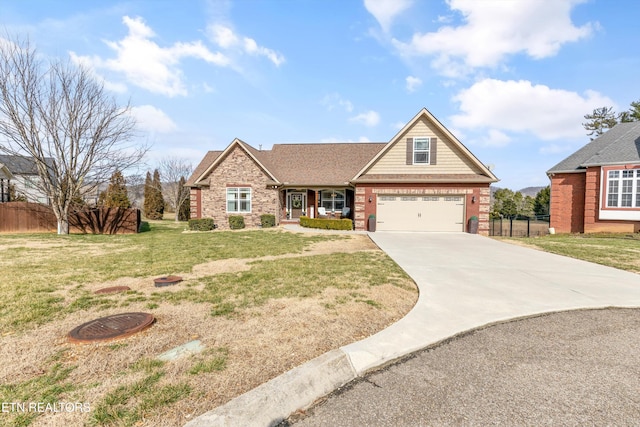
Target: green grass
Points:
(129, 404)
(46, 277)
(620, 251)
(292, 277)
(47, 388)
(44, 274)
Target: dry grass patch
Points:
(256, 316)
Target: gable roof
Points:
(208, 159)
(22, 165)
(619, 145)
(249, 150)
(330, 164)
(333, 164)
(424, 113)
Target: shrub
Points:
(326, 224)
(201, 224)
(267, 220)
(144, 227)
(236, 222)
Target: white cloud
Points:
(146, 64)
(413, 83)
(225, 37)
(496, 138)
(152, 119)
(495, 29)
(386, 10)
(370, 118)
(334, 100)
(519, 106)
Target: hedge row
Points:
(267, 220)
(236, 222)
(201, 224)
(326, 224)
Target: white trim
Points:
(425, 113)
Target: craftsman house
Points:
(597, 188)
(423, 179)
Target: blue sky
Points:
(512, 79)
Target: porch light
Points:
(473, 199)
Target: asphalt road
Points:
(572, 368)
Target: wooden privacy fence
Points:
(25, 217)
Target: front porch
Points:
(331, 203)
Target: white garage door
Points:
(420, 213)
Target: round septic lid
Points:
(166, 281)
(111, 327)
(112, 289)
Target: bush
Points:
(267, 220)
(144, 227)
(201, 224)
(236, 222)
(326, 224)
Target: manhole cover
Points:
(111, 327)
(112, 290)
(167, 281)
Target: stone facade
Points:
(238, 169)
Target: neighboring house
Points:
(597, 188)
(424, 179)
(21, 172)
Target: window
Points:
(421, 150)
(623, 188)
(238, 199)
(332, 200)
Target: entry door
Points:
(297, 204)
(420, 213)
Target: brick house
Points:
(597, 188)
(423, 179)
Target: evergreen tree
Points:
(599, 121)
(157, 186)
(184, 210)
(542, 200)
(153, 203)
(116, 194)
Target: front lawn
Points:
(621, 251)
(261, 302)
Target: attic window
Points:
(421, 151)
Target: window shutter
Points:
(433, 151)
(409, 151)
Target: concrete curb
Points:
(275, 400)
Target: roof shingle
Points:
(619, 145)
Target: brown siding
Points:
(567, 204)
(238, 169)
(479, 208)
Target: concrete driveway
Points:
(465, 281)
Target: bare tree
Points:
(54, 109)
(171, 170)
